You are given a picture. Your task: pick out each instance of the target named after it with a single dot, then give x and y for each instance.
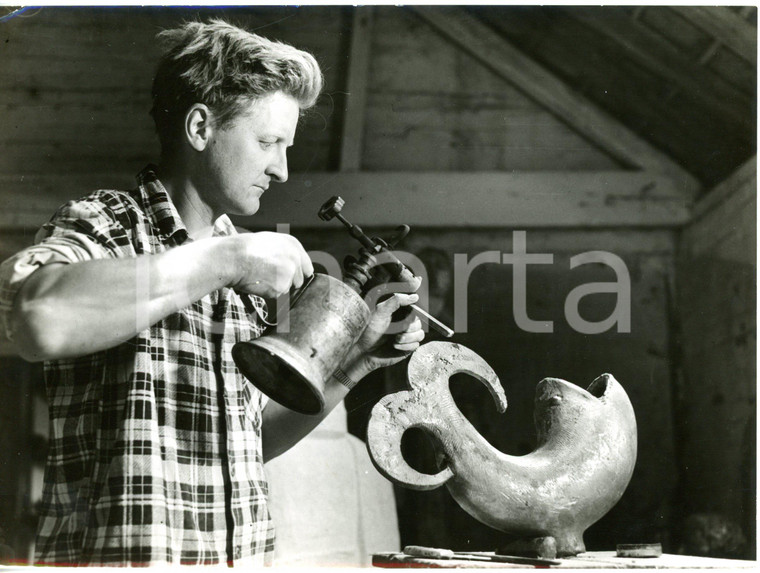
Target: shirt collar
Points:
(223, 227)
(159, 207)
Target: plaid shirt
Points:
(155, 445)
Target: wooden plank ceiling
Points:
(681, 78)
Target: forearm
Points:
(67, 310)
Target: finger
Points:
(307, 267)
(413, 282)
(407, 299)
(407, 347)
(297, 279)
(411, 330)
(407, 337)
(382, 291)
(415, 324)
(393, 303)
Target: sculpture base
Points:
(544, 547)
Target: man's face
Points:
(242, 159)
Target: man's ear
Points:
(198, 126)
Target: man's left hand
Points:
(378, 349)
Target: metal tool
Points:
(432, 321)
(436, 553)
(365, 272)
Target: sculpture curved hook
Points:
(583, 462)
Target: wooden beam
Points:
(480, 200)
(728, 28)
(656, 54)
(353, 121)
(744, 177)
(724, 222)
(435, 199)
(514, 66)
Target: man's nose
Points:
(278, 168)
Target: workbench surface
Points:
(590, 560)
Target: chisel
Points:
(432, 321)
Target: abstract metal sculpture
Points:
(582, 464)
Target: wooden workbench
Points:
(590, 560)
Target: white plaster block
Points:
(378, 518)
(329, 504)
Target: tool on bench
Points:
(293, 360)
(639, 550)
(435, 553)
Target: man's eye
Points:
(266, 144)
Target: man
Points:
(134, 301)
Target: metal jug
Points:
(292, 362)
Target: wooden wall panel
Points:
(76, 84)
(432, 107)
(69, 104)
(717, 289)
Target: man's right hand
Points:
(269, 264)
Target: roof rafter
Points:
(728, 28)
(499, 55)
(640, 43)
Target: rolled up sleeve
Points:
(80, 231)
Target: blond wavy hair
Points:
(225, 68)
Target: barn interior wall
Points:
(75, 105)
(432, 107)
(717, 386)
